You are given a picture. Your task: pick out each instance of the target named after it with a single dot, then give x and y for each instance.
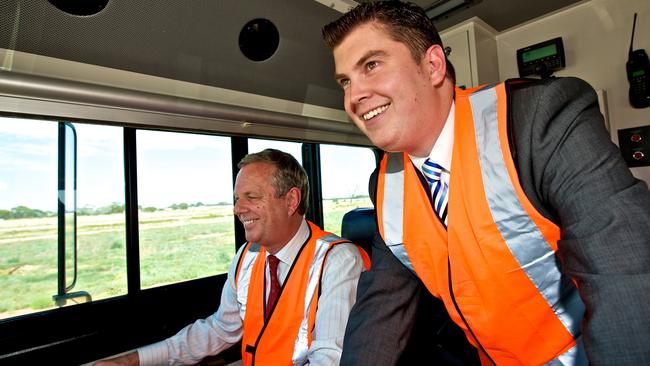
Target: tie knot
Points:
(432, 171)
(273, 263)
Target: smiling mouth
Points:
(247, 222)
(375, 112)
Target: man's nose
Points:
(359, 91)
(237, 208)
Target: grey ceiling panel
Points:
(188, 40)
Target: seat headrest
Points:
(359, 226)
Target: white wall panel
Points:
(596, 36)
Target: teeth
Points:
(246, 222)
(375, 112)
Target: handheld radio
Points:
(638, 75)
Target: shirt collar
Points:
(443, 148)
(289, 252)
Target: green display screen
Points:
(538, 53)
(638, 73)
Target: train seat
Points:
(359, 226)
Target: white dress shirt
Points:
(442, 149)
(225, 327)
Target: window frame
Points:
(100, 328)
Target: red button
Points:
(636, 137)
(638, 155)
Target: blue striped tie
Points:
(439, 189)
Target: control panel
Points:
(635, 145)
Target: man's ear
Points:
(434, 60)
(293, 199)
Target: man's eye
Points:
(344, 82)
(371, 65)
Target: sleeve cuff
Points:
(154, 354)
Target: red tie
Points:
(275, 284)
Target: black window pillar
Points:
(311, 163)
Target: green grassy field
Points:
(175, 245)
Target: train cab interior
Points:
(122, 122)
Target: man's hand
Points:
(129, 359)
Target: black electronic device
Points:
(638, 74)
(542, 58)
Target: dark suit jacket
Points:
(573, 174)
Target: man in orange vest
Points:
(289, 289)
(508, 203)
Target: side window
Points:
(31, 195)
(185, 206)
(344, 172)
(101, 237)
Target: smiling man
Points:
(507, 205)
(289, 289)
(378, 101)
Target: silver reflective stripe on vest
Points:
(393, 208)
(574, 356)
(301, 346)
(244, 277)
(526, 243)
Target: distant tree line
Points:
(174, 206)
(24, 212)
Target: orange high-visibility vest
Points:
(286, 337)
(495, 266)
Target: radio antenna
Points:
(632, 40)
